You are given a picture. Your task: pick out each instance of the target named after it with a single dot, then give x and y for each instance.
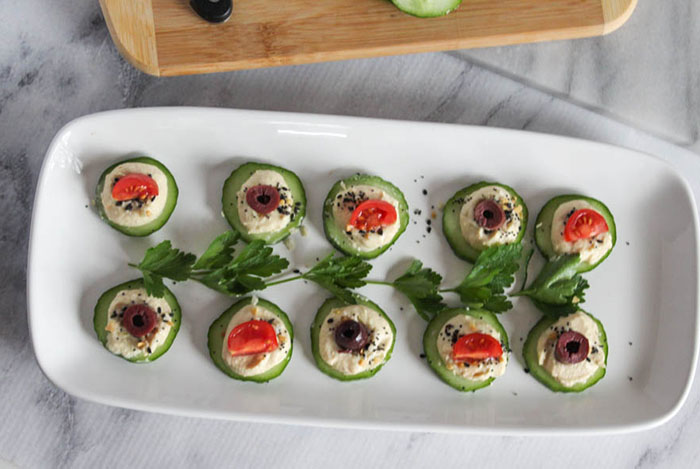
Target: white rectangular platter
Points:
(645, 293)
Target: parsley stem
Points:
(285, 280)
(379, 282)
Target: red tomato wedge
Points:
(584, 224)
(372, 214)
(476, 346)
(135, 186)
(251, 338)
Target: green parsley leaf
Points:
(162, 261)
(339, 274)
(245, 272)
(493, 272)
(219, 253)
(420, 285)
(558, 288)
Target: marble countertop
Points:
(59, 63)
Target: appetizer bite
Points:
(263, 201)
(251, 341)
(135, 326)
(364, 215)
(483, 215)
(351, 341)
(136, 196)
(567, 354)
(574, 224)
(467, 349)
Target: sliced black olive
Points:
(489, 215)
(572, 347)
(351, 336)
(139, 320)
(263, 199)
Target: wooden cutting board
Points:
(166, 37)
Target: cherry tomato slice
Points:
(476, 346)
(135, 186)
(372, 214)
(251, 338)
(584, 224)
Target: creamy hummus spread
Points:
(134, 213)
(276, 220)
(373, 355)
(346, 202)
(570, 374)
(591, 250)
(249, 365)
(481, 238)
(120, 341)
(461, 325)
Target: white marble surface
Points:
(647, 73)
(57, 63)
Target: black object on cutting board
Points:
(214, 11)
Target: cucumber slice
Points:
(451, 226)
(540, 374)
(543, 227)
(430, 339)
(427, 8)
(102, 311)
(336, 235)
(325, 309)
(216, 338)
(148, 228)
(230, 201)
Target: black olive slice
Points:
(263, 199)
(572, 347)
(351, 336)
(139, 320)
(489, 215)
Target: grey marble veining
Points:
(58, 63)
(647, 73)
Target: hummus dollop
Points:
(461, 325)
(570, 374)
(134, 213)
(481, 238)
(373, 355)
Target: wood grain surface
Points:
(165, 37)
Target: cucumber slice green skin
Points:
(337, 237)
(543, 227)
(150, 227)
(430, 338)
(540, 374)
(102, 309)
(216, 338)
(453, 230)
(427, 8)
(230, 201)
(325, 309)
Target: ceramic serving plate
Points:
(645, 293)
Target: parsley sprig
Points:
(222, 269)
(218, 268)
(558, 288)
(493, 272)
(338, 275)
(238, 272)
(421, 286)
